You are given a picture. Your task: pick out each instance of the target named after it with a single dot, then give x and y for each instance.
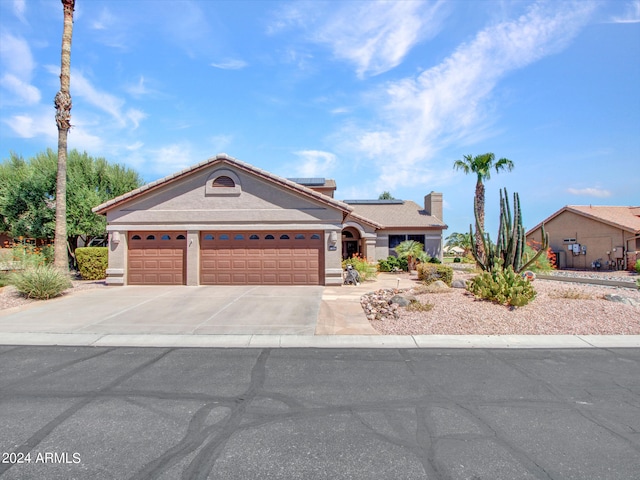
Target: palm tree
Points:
(462, 240)
(63, 116)
(481, 165)
(411, 250)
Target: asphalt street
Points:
(197, 413)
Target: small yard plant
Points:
(367, 270)
(571, 294)
(92, 262)
(417, 306)
(393, 264)
(503, 286)
(40, 282)
(431, 272)
(637, 267)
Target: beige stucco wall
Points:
(599, 238)
(188, 205)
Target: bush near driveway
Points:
(431, 272)
(92, 262)
(40, 282)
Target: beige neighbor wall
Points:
(599, 238)
(186, 204)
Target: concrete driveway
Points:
(174, 310)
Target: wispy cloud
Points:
(631, 15)
(374, 36)
(104, 101)
(20, 9)
(314, 163)
(232, 64)
(590, 192)
(447, 104)
(22, 91)
(18, 64)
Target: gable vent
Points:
(223, 182)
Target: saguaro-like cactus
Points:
(509, 249)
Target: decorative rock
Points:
(402, 300)
(612, 297)
(439, 285)
(458, 284)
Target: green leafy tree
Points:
(386, 196)
(411, 250)
(28, 188)
(481, 165)
(461, 240)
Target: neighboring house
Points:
(224, 222)
(581, 235)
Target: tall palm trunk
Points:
(479, 204)
(63, 117)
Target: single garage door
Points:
(157, 258)
(265, 258)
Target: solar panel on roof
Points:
(374, 202)
(309, 182)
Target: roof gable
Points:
(218, 160)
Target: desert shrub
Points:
(417, 306)
(544, 263)
(457, 260)
(434, 260)
(92, 262)
(637, 267)
(571, 294)
(366, 269)
(503, 286)
(430, 272)
(391, 264)
(40, 282)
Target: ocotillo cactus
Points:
(509, 248)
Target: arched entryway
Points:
(350, 242)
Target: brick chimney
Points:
(433, 205)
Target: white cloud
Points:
(314, 163)
(448, 104)
(36, 125)
(374, 36)
(590, 192)
(135, 116)
(19, 10)
(24, 93)
(232, 64)
(631, 15)
(15, 56)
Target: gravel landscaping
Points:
(560, 308)
(10, 298)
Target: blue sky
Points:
(381, 96)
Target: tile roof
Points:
(397, 215)
(221, 158)
(626, 218)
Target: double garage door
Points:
(228, 258)
(261, 258)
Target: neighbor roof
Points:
(406, 214)
(625, 218)
(221, 158)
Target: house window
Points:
(136, 237)
(315, 236)
(239, 236)
(151, 237)
(208, 236)
(224, 236)
(254, 237)
(299, 236)
(181, 237)
(395, 240)
(417, 238)
(223, 182)
(165, 237)
(284, 237)
(269, 237)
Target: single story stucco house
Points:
(225, 222)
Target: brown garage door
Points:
(157, 258)
(265, 258)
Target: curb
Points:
(323, 341)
